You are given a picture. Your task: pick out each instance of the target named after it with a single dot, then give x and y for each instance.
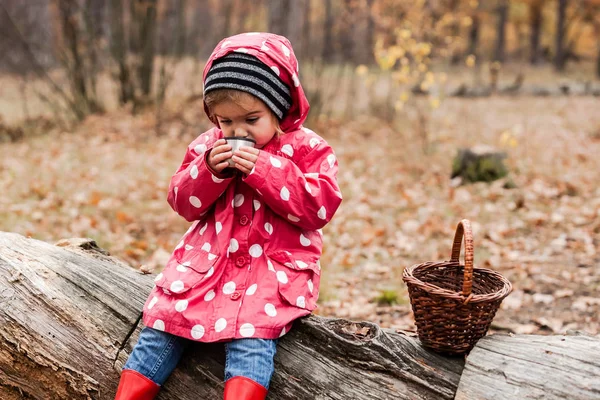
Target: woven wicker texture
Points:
(454, 304)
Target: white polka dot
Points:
(285, 194)
(229, 287)
(252, 33)
(218, 227)
(197, 332)
(200, 149)
(322, 213)
(314, 175)
(226, 43)
(194, 172)
(275, 162)
(209, 295)
(247, 330)
(255, 250)
(304, 241)
(275, 69)
(270, 266)
(220, 324)
(179, 245)
(301, 264)
(331, 160)
(269, 228)
(211, 256)
(216, 180)
(270, 310)
(203, 229)
(188, 247)
(256, 205)
(233, 245)
(285, 50)
(238, 200)
(307, 187)
(182, 268)
(210, 272)
(293, 218)
(241, 50)
(195, 201)
(152, 302)
(159, 325)
(264, 47)
(282, 277)
(320, 231)
(301, 302)
(158, 277)
(288, 149)
(295, 79)
(175, 189)
(310, 285)
(282, 332)
(206, 247)
(251, 290)
(177, 286)
(314, 142)
(181, 305)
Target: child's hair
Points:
(241, 99)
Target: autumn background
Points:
(99, 98)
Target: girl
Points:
(249, 264)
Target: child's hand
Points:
(245, 158)
(221, 152)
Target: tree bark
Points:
(501, 31)
(118, 50)
(561, 16)
(553, 368)
(278, 16)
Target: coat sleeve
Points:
(194, 188)
(306, 194)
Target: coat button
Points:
(240, 261)
(244, 220)
(235, 295)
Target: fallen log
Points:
(70, 314)
(532, 367)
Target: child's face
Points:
(254, 120)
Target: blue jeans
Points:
(157, 353)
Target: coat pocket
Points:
(185, 270)
(298, 278)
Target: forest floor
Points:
(108, 180)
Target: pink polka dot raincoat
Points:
(249, 264)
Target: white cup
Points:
(236, 143)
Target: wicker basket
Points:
(450, 320)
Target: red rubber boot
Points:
(242, 388)
(135, 386)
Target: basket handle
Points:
(464, 229)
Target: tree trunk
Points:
(327, 54)
(370, 34)
(535, 18)
(501, 30)
(148, 37)
(306, 54)
(70, 316)
(296, 19)
(561, 15)
(118, 50)
(278, 16)
(181, 29)
(474, 31)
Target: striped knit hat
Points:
(247, 73)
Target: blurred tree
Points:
(279, 13)
(328, 49)
(561, 15)
(502, 11)
(474, 29)
(535, 23)
(118, 48)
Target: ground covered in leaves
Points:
(108, 179)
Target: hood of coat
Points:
(276, 52)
